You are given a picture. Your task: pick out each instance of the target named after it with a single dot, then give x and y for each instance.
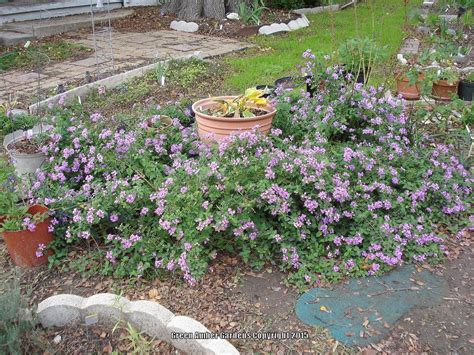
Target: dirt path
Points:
(234, 298)
(449, 326)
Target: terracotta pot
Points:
(211, 128)
(22, 245)
(409, 92)
(444, 91)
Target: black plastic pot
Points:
(288, 82)
(466, 90)
(270, 90)
(309, 87)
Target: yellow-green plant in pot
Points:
(219, 117)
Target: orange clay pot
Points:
(212, 128)
(409, 92)
(444, 91)
(22, 245)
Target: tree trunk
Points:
(171, 7)
(232, 5)
(214, 9)
(191, 10)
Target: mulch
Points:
(97, 339)
(230, 298)
(147, 19)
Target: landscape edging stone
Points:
(148, 317)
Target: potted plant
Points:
(445, 82)
(24, 228)
(218, 117)
(25, 148)
(409, 78)
(359, 55)
(466, 87)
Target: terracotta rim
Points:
(446, 84)
(270, 110)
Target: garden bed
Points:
(150, 19)
(40, 53)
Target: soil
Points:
(58, 38)
(255, 112)
(208, 84)
(24, 146)
(230, 298)
(234, 298)
(449, 326)
(97, 339)
(147, 19)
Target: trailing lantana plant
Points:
(337, 188)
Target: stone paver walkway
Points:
(130, 50)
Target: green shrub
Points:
(17, 325)
(338, 188)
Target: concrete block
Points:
(316, 10)
(60, 310)
(192, 345)
(8, 38)
(16, 112)
(151, 318)
(108, 307)
(184, 26)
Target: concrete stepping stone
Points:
(362, 311)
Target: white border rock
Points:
(293, 25)
(184, 26)
(149, 317)
(274, 28)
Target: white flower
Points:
(29, 134)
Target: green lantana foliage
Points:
(340, 187)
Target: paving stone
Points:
(88, 62)
(183, 47)
(60, 310)
(410, 46)
(128, 54)
(181, 325)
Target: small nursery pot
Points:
(24, 163)
(409, 92)
(212, 128)
(444, 91)
(360, 77)
(23, 245)
(466, 90)
(287, 82)
(269, 88)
